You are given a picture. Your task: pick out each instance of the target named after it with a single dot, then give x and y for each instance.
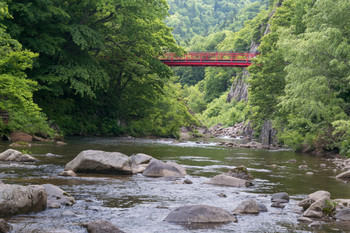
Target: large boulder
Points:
(317, 208)
(57, 197)
(240, 172)
(249, 206)
(158, 168)
(313, 197)
(200, 214)
(16, 156)
(345, 175)
(17, 199)
(97, 161)
(140, 159)
(226, 180)
(102, 226)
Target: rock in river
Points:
(17, 199)
(200, 214)
(344, 175)
(249, 206)
(102, 226)
(14, 155)
(226, 180)
(96, 161)
(57, 195)
(158, 168)
(240, 172)
(280, 197)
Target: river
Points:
(138, 204)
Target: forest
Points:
(91, 68)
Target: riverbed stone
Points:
(343, 215)
(57, 195)
(278, 205)
(262, 207)
(4, 226)
(316, 209)
(102, 226)
(200, 214)
(97, 161)
(344, 175)
(240, 172)
(16, 156)
(319, 195)
(157, 168)
(139, 168)
(343, 202)
(17, 199)
(248, 206)
(67, 173)
(280, 197)
(140, 158)
(304, 219)
(226, 180)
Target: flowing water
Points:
(138, 204)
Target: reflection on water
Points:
(140, 204)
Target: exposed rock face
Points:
(344, 175)
(313, 197)
(96, 161)
(20, 136)
(17, 199)
(101, 226)
(158, 168)
(14, 155)
(57, 195)
(226, 180)
(280, 197)
(268, 134)
(247, 207)
(239, 88)
(240, 172)
(200, 214)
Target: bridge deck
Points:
(229, 59)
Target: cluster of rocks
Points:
(237, 177)
(233, 131)
(11, 155)
(320, 205)
(251, 145)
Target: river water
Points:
(138, 204)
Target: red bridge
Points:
(229, 59)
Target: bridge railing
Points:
(210, 56)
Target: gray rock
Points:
(200, 214)
(53, 155)
(309, 173)
(262, 207)
(158, 168)
(55, 205)
(247, 207)
(68, 214)
(306, 203)
(226, 180)
(188, 181)
(316, 209)
(16, 156)
(140, 159)
(322, 165)
(280, 197)
(319, 195)
(344, 202)
(240, 172)
(4, 226)
(67, 173)
(57, 195)
(344, 175)
(101, 226)
(17, 199)
(303, 166)
(96, 161)
(304, 219)
(278, 205)
(343, 215)
(315, 224)
(139, 168)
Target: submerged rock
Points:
(240, 172)
(343, 215)
(200, 214)
(67, 173)
(101, 226)
(158, 168)
(17, 199)
(57, 195)
(14, 155)
(249, 206)
(226, 180)
(97, 161)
